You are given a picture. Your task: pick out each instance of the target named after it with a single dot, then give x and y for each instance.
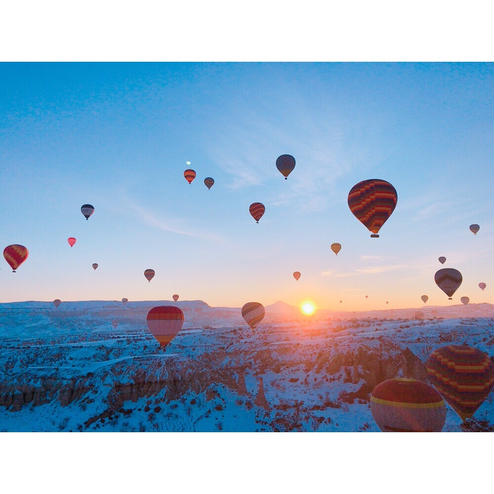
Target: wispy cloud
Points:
(371, 258)
(364, 271)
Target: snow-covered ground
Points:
(68, 369)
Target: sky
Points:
(118, 136)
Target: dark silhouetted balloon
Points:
(71, 241)
(256, 210)
(164, 322)
(95, 265)
(209, 182)
(189, 175)
(125, 300)
(448, 280)
(336, 247)
(482, 285)
(253, 313)
(87, 210)
(463, 375)
(442, 259)
(372, 202)
(15, 255)
(407, 405)
(175, 297)
(424, 298)
(57, 302)
(464, 300)
(474, 228)
(149, 274)
(296, 275)
(285, 164)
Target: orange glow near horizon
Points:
(307, 308)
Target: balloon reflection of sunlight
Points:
(308, 308)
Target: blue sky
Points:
(118, 136)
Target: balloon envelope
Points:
(448, 280)
(463, 375)
(57, 302)
(87, 210)
(189, 175)
(285, 164)
(209, 182)
(336, 247)
(149, 274)
(424, 298)
(256, 210)
(482, 285)
(95, 265)
(175, 297)
(15, 255)
(296, 275)
(372, 202)
(253, 313)
(464, 300)
(125, 300)
(407, 405)
(442, 259)
(474, 228)
(164, 322)
(71, 241)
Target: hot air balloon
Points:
(149, 274)
(372, 202)
(341, 301)
(175, 297)
(482, 285)
(474, 228)
(442, 259)
(387, 301)
(285, 164)
(463, 375)
(256, 210)
(209, 182)
(424, 298)
(296, 275)
(336, 247)
(57, 302)
(448, 280)
(114, 324)
(407, 405)
(464, 300)
(125, 300)
(253, 313)
(95, 265)
(189, 175)
(71, 241)
(87, 210)
(164, 322)
(15, 255)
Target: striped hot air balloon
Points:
(407, 405)
(15, 255)
(253, 313)
(474, 228)
(149, 274)
(72, 241)
(424, 298)
(164, 322)
(209, 182)
(296, 275)
(463, 375)
(448, 280)
(256, 210)
(336, 247)
(189, 175)
(175, 297)
(442, 259)
(372, 202)
(482, 285)
(285, 164)
(87, 210)
(57, 302)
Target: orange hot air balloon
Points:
(372, 202)
(285, 164)
(125, 300)
(189, 175)
(175, 297)
(57, 302)
(442, 259)
(463, 375)
(296, 275)
(15, 255)
(114, 323)
(336, 247)
(482, 285)
(95, 265)
(464, 300)
(164, 322)
(71, 241)
(256, 210)
(209, 182)
(474, 228)
(253, 313)
(149, 274)
(407, 405)
(87, 210)
(424, 298)
(448, 280)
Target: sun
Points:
(308, 308)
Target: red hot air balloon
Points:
(189, 175)
(296, 275)
(57, 302)
(463, 375)
(482, 285)
(95, 265)
(256, 210)
(372, 202)
(285, 164)
(407, 405)
(464, 300)
(253, 313)
(442, 259)
(209, 182)
(165, 322)
(336, 247)
(15, 255)
(175, 297)
(474, 228)
(424, 298)
(71, 241)
(448, 280)
(149, 274)
(87, 210)
(125, 300)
